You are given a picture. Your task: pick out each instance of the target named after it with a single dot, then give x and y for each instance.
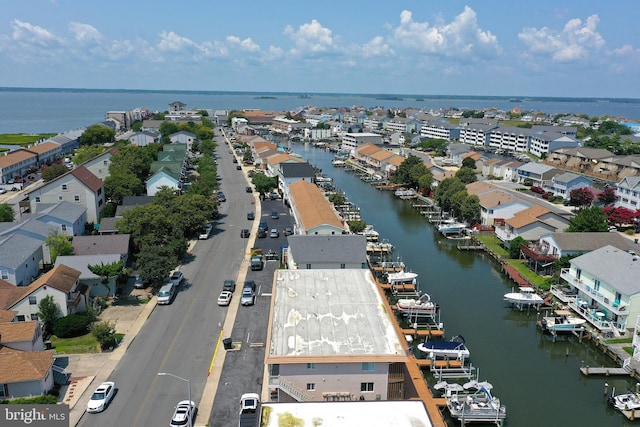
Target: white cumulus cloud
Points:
(311, 38)
(577, 41)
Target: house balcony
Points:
(615, 307)
(536, 253)
(503, 234)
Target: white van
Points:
(166, 294)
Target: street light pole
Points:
(191, 409)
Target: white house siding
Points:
(31, 388)
(501, 212)
(99, 166)
(335, 377)
(324, 229)
(68, 189)
(157, 181)
(24, 308)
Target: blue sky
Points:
(583, 48)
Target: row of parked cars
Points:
(248, 296)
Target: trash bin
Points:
(227, 344)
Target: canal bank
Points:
(528, 370)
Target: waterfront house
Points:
(276, 160)
(78, 186)
(440, 129)
(560, 244)
(340, 344)
(352, 140)
(291, 172)
(327, 252)
(628, 193)
(499, 205)
(530, 224)
(605, 286)
(312, 212)
(61, 282)
(563, 184)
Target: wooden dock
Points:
(470, 247)
(423, 332)
(439, 364)
(591, 370)
(400, 288)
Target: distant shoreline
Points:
(381, 96)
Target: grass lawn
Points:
(525, 272)
(493, 243)
(83, 344)
(22, 139)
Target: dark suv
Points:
(229, 285)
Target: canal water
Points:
(538, 380)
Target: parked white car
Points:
(101, 397)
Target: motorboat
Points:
(452, 349)
(379, 247)
(629, 401)
(476, 407)
(420, 306)
(526, 296)
(402, 278)
(451, 227)
(562, 321)
(371, 234)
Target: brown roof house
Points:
(25, 373)
(61, 282)
(312, 212)
(79, 186)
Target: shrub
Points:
(104, 333)
(71, 326)
(45, 399)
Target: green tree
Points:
(470, 209)
(514, 247)
(425, 181)
(445, 191)
(7, 214)
(122, 183)
(588, 220)
(97, 135)
(59, 245)
(48, 313)
(107, 271)
(337, 199)
(263, 183)
(357, 226)
(466, 175)
(85, 153)
(468, 162)
(105, 333)
(403, 173)
(134, 160)
(50, 173)
(416, 172)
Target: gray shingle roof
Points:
(611, 265)
(592, 241)
(16, 248)
(347, 249)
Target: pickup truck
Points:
(257, 259)
(250, 411)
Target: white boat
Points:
(452, 349)
(563, 321)
(370, 234)
(338, 163)
(626, 401)
(477, 407)
(526, 296)
(379, 247)
(420, 306)
(451, 227)
(401, 278)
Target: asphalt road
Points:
(180, 338)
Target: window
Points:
(366, 387)
(37, 199)
(311, 366)
(60, 198)
(105, 162)
(311, 386)
(308, 266)
(76, 198)
(4, 390)
(596, 284)
(32, 300)
(20, 318)
(64, 227)
(34, 316)
(65, 187)
(368, 366)
(343, 266)
(4, 274)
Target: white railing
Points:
(613, 306)
(290, 389)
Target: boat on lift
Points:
(526, 296)
(417, 306)
(455, 348)
(563, 321)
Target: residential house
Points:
(292, 172)
(112, 244)
(21, 258)
(61, 283)
(312, 212)
(499, 205)
(183, 137)
(510, 138)
(64, 217)
(78, 186)
(456, 152)
(560, 244)
(440, 129)
(605, 288)
(352, 140)
(476, 134)
(540, 174)
(392, 165)
(327, 252)
(92, 281)
(17, 164)
(342, 330)
(563, 184)
(275, 162)
(510, 171)
(25, 373)
(144, 138)
(23, 336)
(628, 193)
(543, 143)
(530, 224)
(47, 152)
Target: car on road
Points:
(229, 285)
(244, 233)
(288, 231)
(274, 233)
(221, 196)
(225, 298)
(238, 167)
(205, 232)
(176, 278)
(263, 224)
(251, 216)
(166, 294)
(262, 233)
(184, 414)
(248, 189)
(101, 398)
(234, 159)
(275, 215)
(248, 293)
